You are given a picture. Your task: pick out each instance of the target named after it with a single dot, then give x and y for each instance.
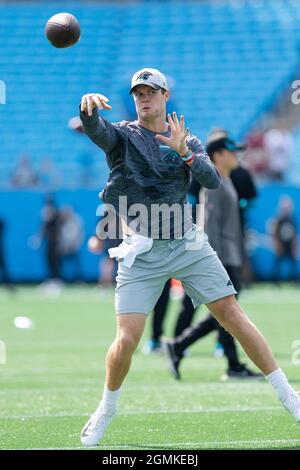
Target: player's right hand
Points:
(95, 245)
(93, 100)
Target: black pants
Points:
(185, 316)
(207, 325)
(53, 260)
(159, 312)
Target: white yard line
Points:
(268, 295)
(183, 445)
(150, 412)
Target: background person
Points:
(223, 228)
(285, 240)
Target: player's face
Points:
(230, 159)
(149, 103)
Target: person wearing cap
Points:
(245, 188)
(223, 228)
(150, 161)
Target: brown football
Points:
(62, 30)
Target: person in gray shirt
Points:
(223, 228)
(222, 224)
(150, 162)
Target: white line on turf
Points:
(188, 445)
(244, 301)
(266, 295)
(150, 412)
(216, 387)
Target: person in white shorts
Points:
(150, 162)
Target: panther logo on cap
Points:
(144, 76)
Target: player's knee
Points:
(228, 312)
(127, 342)
(234, 320)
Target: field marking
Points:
(96, 391)
(234, 386)
(82, 296)
(180, 445)
(150, 412)
(243, 301)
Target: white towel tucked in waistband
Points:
(131, 246)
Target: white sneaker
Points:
(95, 428)
(292, 403)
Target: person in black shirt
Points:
(285, 235)
(50, 231)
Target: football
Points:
(62, 30)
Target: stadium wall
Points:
(21, 212)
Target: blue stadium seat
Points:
(227, 61)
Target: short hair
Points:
(216, 133)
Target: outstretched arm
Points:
(100, 131)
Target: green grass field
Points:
(53, 379)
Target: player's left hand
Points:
(177, 139)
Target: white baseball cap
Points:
(151, 77)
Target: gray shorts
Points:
(202, 274)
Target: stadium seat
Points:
(228, 63)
